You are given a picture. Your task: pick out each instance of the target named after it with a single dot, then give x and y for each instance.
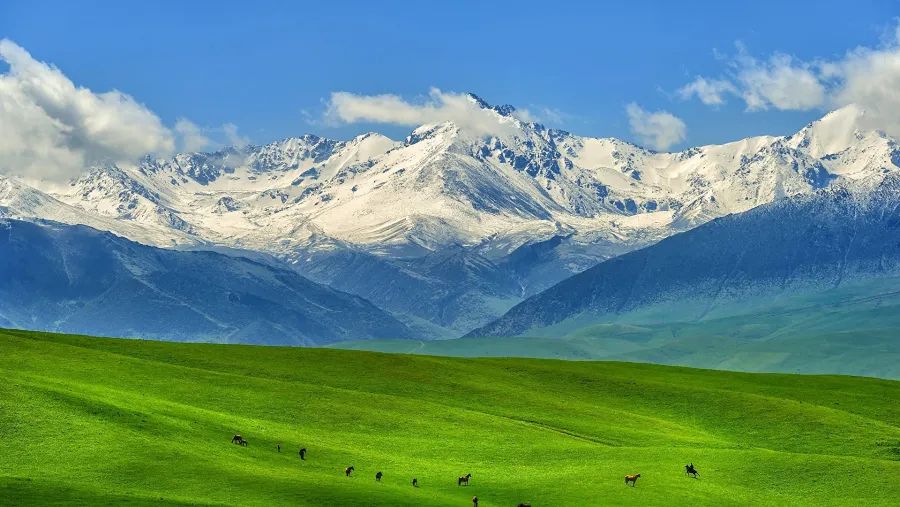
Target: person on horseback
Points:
(690, 470)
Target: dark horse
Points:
(348, 471)
(464, 480)
(237, 439)
(474, 501)
(244, 442)
(415, 482)
(524, 505)
(690, 470)
(378, 477)
(303, 453)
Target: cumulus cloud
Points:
(660, 130)
(458, 108)
(51, 129)
(192, 137)
(711, 92)
(780, 82)
(870, 78)
(865, 76)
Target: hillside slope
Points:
(790, 249)
(73, 278)
(102, 421)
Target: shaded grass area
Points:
(120, 422)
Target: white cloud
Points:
(710, 92)
(232, 137)
(553, 115)
(864, 76)
(51, 129)
(192, 138)
(870, 78)
(460, 109)
(779, 82)
(526, 116)
(659, 130)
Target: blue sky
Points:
(270, 67)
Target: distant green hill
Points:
(88, 421)
(855, 331)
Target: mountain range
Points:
(56, 277)
(450, 228)
(841, 240)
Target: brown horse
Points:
(244, 442)
(237, 439)
(415, 482)
(378, 477)
(524, 505)
(632, 479)
(464, 480)
(474, 501)
(348, 471)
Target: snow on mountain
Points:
(837, 244)
(305, 199)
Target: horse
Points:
(690, 470)
(302, 453)
(348, 471)
(244, 442)
(237, 439)
(474, 501)
(415, 482)
(632, 479)
(524, 505)
(278, 446)
(464, 480)
(378, 477)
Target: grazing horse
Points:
(378, 477)
(632, 479)
(474, 501)
(415, 482)
(690, 470)
(348, 471)
(464, 480)
(302, 453)
(237, 439)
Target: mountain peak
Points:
(503, 110)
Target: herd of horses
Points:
(462, 481)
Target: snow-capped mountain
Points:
(447, 228)
(839, 244)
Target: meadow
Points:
(93, 421)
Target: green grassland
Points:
(88, 421)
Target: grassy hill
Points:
(841, 332)
(88, 421)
